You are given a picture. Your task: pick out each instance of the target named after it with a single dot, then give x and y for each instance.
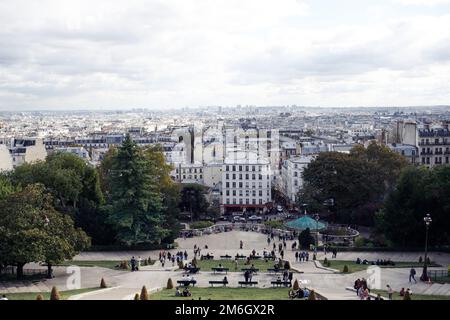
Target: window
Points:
(227, 184)
(228, 168)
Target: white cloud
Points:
(156, 53)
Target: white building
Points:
(189, 173)
(246, 183)
(6, 163)
(291, 173)
(27, 150)
(78, 151)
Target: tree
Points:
(134, 203)
(193, 200)
(54, 295)
(419, 191)
(357, 182)
(33, 231)
(6, 187)
(144, 293)
(305, 239)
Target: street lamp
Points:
(317, 217)
(427, 220)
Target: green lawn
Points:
(221, 293)
(206, 265)
(110, 264)
(396, 296)
(32, 295)
(353, 267)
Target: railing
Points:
(436, 275)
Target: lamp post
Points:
(317, 217)
(427, 220)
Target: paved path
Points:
(125, 284)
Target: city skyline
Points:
(174, 54)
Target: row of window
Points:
(190, 177)
(240, 168)
(247, 193)
(246, 176)
(247, 185)
(437, 160)
(190, 170)
(243, 201)
(436, 141)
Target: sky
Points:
(185, 53)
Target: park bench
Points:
(273, 270)
(207, 257)
(255, 257)
(226, 257)
(240, 257)
(222, 282)
(192, 270)
(220, 269)
(186, 283)
(254, 270)
(248, 283)
(281, 283)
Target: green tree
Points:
(135, 204)
(305, 239)
(33, 231)
(6, 187)
(419, 191)
(193, 200)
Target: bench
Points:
(248, 283)
(275, 270)
(281, 283)
(192, 270)
(226, 257)
(207, 257)
(219, 269)
(186, 283)
(213, 282)
(240, 257)
(255, 257)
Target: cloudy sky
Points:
(175, 53)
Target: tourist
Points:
(409, 291)
(390, 292)
(296, 256)
(225, 280)
(307, 256)
(378, 297)
(133, 264)
(138, 263)
(241, 244)
(186, 292)
(177, 292)
(412, 275)
(402, 292)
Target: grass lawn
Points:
(353, 267)
(32, 295)
(110, 264)
(206, 265)
(414, 296)
(225, 294)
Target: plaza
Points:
(327, 282)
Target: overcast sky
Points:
(175, 53)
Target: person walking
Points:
(390, 292)
(412, 275)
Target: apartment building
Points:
(27, 150)
(6, 163)
(434, 145)
(246, 183)
(291, 174)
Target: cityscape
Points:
(201, 195)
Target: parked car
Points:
(238, 219)
(255, 218)
(279, 209)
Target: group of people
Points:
(184, 293)
(302, 256)
(299, 294)
(378, 262)
(135, 263)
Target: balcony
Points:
(438, 152)
(426, 153)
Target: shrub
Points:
(144, 293)
(296, 285)
(137, 297)
(359, 242)
(312, 295)
(39, 297)
(169, 283)
(123, 265)
(54, 295)
(345, 269)
(201, 224)
(103, 284)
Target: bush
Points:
(123, 265)
(275, 224)
(359, 242)
(296, 285)
(103, 284)
(54, 295)
(312, 295)
(345, 269)
(39, 297)
(170, 284)
(144, 293)
(201, 224)
(137, 297)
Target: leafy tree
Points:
(6, 187)
(419, 191)
(135, 204)
(33, 231)
(193, 200)
(357, 182)
(305, 239)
